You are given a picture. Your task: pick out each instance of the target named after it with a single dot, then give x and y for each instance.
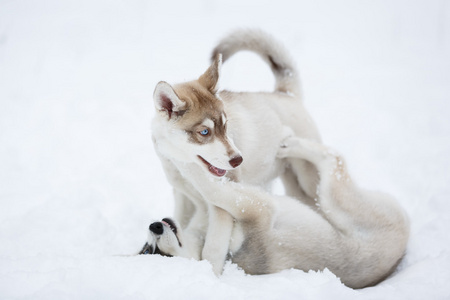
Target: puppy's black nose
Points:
(156, 228)
(236, 161)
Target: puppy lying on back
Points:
(359, 235)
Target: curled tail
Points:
(270, 50)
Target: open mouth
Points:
(213, 170)
(170, 223)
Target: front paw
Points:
(217, 269)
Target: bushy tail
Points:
(270, 50)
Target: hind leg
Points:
(300, 177)
(335, 195)
(373, 223)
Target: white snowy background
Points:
(80, 181)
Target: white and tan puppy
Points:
(232, 135)
(359, 235)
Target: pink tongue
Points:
(217, 171)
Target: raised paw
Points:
(286, 146)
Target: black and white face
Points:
(163, 239)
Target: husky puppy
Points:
(359, 235)
(196, 124)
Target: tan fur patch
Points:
(202, 105)
(211, 77)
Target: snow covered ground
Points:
(80, 182)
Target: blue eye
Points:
(204, 132)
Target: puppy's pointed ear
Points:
(166, 100)
(210, 78)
